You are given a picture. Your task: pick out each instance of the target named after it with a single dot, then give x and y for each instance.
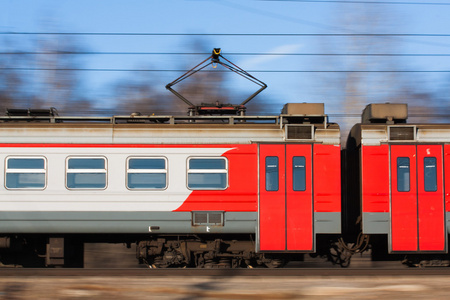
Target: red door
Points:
(432, 231)
(285, 204)
(417, 200)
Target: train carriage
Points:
(403, 194)
(205, 191)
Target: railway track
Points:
(288, 272)
(209, 284)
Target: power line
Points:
(231, 53)
(207, 71)
(367, 2)
(231, 34)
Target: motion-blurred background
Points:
(115, 57)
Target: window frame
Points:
(24, 171)
(205, 171)
(295, 175)
(146, 171)
(266, 174)
(398, 166)
(426, 178)
(86, 171)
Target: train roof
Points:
(298, 122)
(386, 123)
(377, 134)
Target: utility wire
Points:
(366, 2)
(231, 34)
(250, 71)
(231, 53)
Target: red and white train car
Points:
(201, 191)
(404, 190)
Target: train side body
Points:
(210, 179)
(403, 190)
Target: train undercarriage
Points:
(192, 251)
(170, 251)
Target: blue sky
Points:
(234, 16)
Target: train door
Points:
(417, 199)
(286, 202)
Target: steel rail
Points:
(289, 272)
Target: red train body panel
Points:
(308, 183)
(403, 184)
(242, 191)
(375, 190)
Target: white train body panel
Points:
(116, 196)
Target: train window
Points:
(272, 173)
(86, 173)
(25, 173)
(299, 173)
(430, 174)
(207, 173)
(403, 174)
(146, 173)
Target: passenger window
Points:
(430, 174)
(86, 173)
(25, 173)
(403, 174)
(272, 173)
(146, 173)
(207, 173)
(299, 173)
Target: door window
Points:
(403, 174)
(272, 170)
(299, 173)
(430, 174)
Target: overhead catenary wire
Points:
(231, 53)
(250, 71)
(229, 34)
(366, 2)
(274, 35)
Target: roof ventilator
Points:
(402, 133)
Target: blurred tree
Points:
(59, 84)
(54, 83)
(138, 93)
(12, 83)
(444, 101)
(354, 90)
